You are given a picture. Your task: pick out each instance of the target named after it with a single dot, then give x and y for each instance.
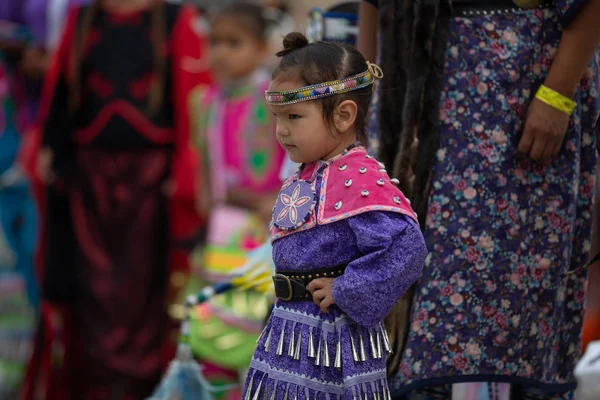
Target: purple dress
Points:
(492, 304)
(304, 353)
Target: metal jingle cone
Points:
(268, 341)
(379, 352)
(291, 346)
(325, 353)
(363, 355)
(311, 344)
(247, 396)
(338, 354)
(279, 351)
(372, 341)
(318, 359)
(354, 352)
(386, 340)
(255, 397)
(262, 333)
(298, 346)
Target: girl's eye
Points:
(294, 116)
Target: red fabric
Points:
(48, 372)
(119, 212)
(129, 113)
(187, 44)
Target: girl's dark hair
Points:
(250, 16)
(322, 62)
(159, 43)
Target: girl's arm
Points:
(394, 253)
(545, 127)
(367, 30)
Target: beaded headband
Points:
(326, 89)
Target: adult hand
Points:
(545, 129)
(321, 290)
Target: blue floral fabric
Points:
(492, 304)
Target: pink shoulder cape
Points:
(352, 184)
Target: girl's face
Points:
(235, 51)
(303, 132)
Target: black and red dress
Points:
(114, 242)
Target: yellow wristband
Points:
(555, 99)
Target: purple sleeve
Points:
(394, 252)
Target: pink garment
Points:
(242, 147)
(352, 184)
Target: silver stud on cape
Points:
(397, 200)
(395, 181)
(343, 167)
(338, 205)
(380, 182)
(363, 170)
(364, 193)
(348, 183)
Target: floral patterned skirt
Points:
(492, 304)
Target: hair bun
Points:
(292, 41)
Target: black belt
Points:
(291, 285)
(484, 7)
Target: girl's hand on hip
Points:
(321, 290)
(545, 129)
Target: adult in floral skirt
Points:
(502, 178)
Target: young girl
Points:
(236, 136)
(346, 244)
(113, 134)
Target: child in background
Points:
(346, 243)
(235, 135)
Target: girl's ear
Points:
(345, 115)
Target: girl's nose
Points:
(281, 130)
